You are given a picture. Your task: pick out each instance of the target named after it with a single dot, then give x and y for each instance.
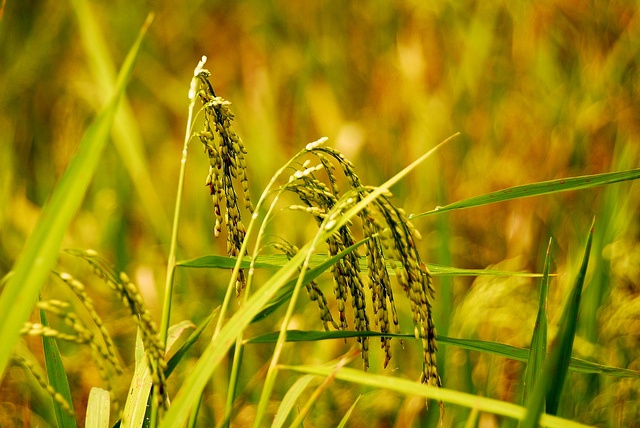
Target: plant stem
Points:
(171, 262)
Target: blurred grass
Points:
(539, 91)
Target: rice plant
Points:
(333, 312)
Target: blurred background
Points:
(538, 91)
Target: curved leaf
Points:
(540, 188)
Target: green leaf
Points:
(57, 377)
(289, 400)
(494, 348)
(127, 137)
(276, 261)
(540, 188)
(98, 409)
(567, 327)
(554, 370)
(539, 339)
(41, 250)
(345, 418)
(216, 351)
(408, 387)
(137, 405)
(193, 337)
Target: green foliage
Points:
(41, 250)
(65, 416)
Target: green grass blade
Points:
(137, 404)
(41, 250)
(539, 340)
(98, 409)
(193, 337)
(276, 261)
(127, 137)
(216, 351)
(408, 387)
(567, 331)
(494, 348)
(554, 370)
(540, 188)
(57, 377)
(346, 359)
(289, 400)
(347, 416)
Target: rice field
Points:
(362, 214)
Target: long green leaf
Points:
(539, 339)
(549, 387)
(138, 397)
(540, 188)
(137, 405)
(289, 400)
(347, 416)
(127, 137)
(566, 333)
(42, 247)
(57, 377)
(405, 386)
(276, 261)
(494, 348)
(213, 354)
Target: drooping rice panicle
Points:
(226, 153)
(390, 236)
(315, 294)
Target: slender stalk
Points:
(239, 340)
(243, 249)
(171, 262)
(237, 358)
(327, 228)
(320, 236)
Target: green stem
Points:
(171, 262)
(243, 248)
(237, 358)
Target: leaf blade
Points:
(554, 370)
(41, 250)
(538, 348)
(405, 386)
(57, 377)
(98, 408)
(494, 348)
(276, 261)
(537, 189)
